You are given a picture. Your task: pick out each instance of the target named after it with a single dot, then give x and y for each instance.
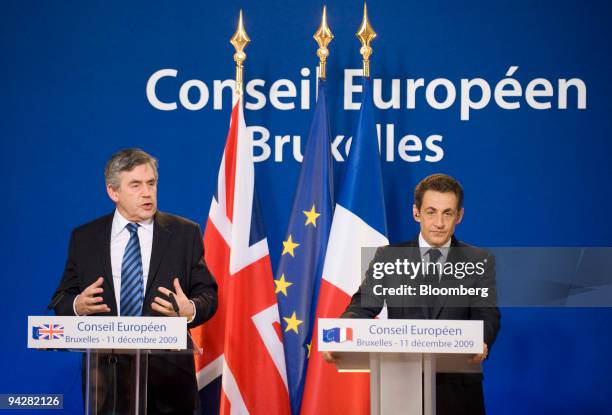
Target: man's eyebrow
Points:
(435, 210)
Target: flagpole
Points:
(239, 41)
(365, 34)
(323, 36)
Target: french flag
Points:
(359, 221)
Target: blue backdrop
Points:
(73, 90)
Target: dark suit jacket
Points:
(464, 393)
(365, 305)
(177, 251)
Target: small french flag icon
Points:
(346, 334)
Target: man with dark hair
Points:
(128, 263)
(438, 208)
(441, 183)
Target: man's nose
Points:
(146, 190)
(439, 222)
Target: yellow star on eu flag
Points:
(282, 285)
(311, 216)
(309, 346)
(292, 323)
(289, 246)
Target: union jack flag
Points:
(49, 332)
(243, 341)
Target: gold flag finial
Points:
(365, 35)
(323, 37)
(239, 41)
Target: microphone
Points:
(175, 306)
(56, 299)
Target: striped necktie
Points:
(132, 292)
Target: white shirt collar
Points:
(423, 243)
(425, 247)
(119, 224)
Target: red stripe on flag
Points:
(232, 332)
(230, 162)
(327, 391)
(216, 254)
(226, 406)
(279, 331)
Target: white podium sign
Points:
(89, 332)
(402, 356)
(400, 336)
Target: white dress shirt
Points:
(425, 247)
(119, 239)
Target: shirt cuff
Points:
(194, 312)
(74, 306)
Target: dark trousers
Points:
(170, 388)
(459, 394)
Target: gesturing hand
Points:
(186, 308)
(88, 302)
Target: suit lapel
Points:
(416, 252)
(414, 256)
(102, 244)
(161, 237)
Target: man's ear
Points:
(416, 214)
(112, 193)
(459, 216)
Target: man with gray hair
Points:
(130, 263)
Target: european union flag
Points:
(331, 335)
(301, 263)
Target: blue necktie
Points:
(131, 275)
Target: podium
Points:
(402, 357)
(116, 354)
